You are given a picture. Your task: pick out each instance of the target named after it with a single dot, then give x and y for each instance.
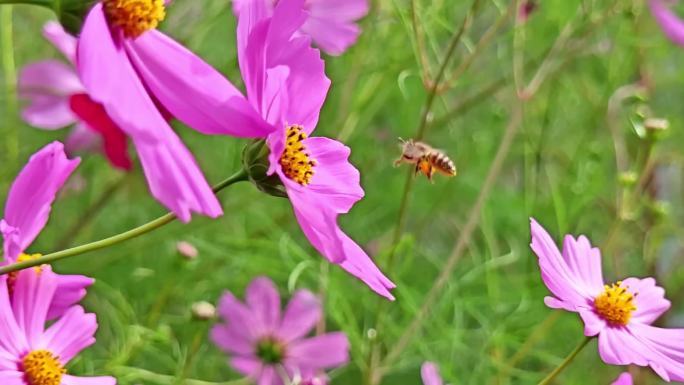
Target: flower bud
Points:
(255, 161)
(187, 250)
(203, 310)
(628, 178)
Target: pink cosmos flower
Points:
(286, 85)
(58, 99)
(30, 353)
(137, 73)
(330, 23)
(623, 379)
(430, 374)
(620, 314)
(26, 212)
(672, 26)
(267, 345)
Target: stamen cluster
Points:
(296, 163)
(615, 304)
(134, 17)
(41, 367)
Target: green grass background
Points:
(489, 324)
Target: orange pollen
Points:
(296, 163)
(41, 367)
(134, 17)
(615, 304)
(12, 277)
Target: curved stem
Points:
(113, 240)
(565, 363)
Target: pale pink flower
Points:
(620, 314)
(330, 23)
(27, 209)
(30, 352)
(266, 344)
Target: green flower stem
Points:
(111, 241)
(565, 363)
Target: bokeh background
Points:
(545, 116)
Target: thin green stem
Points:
(107, 242)
(10, 78)
(565, 363)
(142, 374)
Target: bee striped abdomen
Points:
(442, 163)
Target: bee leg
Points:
(430, 174)
(417, 169)
(398, 162)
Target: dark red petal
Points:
(114, 140)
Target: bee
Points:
(427, 159)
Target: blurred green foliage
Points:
(489, 324)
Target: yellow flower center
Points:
(12, 277)
(615, 304)
(41, 367)
(134, 17)
(296, 163)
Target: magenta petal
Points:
(73, 380)
(175, 178)
(585, 261)
(231, 339)
(30, 198)
(268, 376)
(650, 299)
(121, 91)
(331, 23)
(192, 90)
(619, 346)
(13, 341)
(334, 37)
(263, 298)
(564, 275)
(335, 178)
(172, 173)
(301, 316)
(593, 323)
(623, 379)
(306, 83)
(70, 290)
(430, 374)
(248, 366)
(47, 86)
(238, 318)
(360, 265)
(663, 348)
(72, 333)
(12, 377)
(325, 351)
(33, 294)
(61, 39)
(672, 26)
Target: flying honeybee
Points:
(427, 159)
